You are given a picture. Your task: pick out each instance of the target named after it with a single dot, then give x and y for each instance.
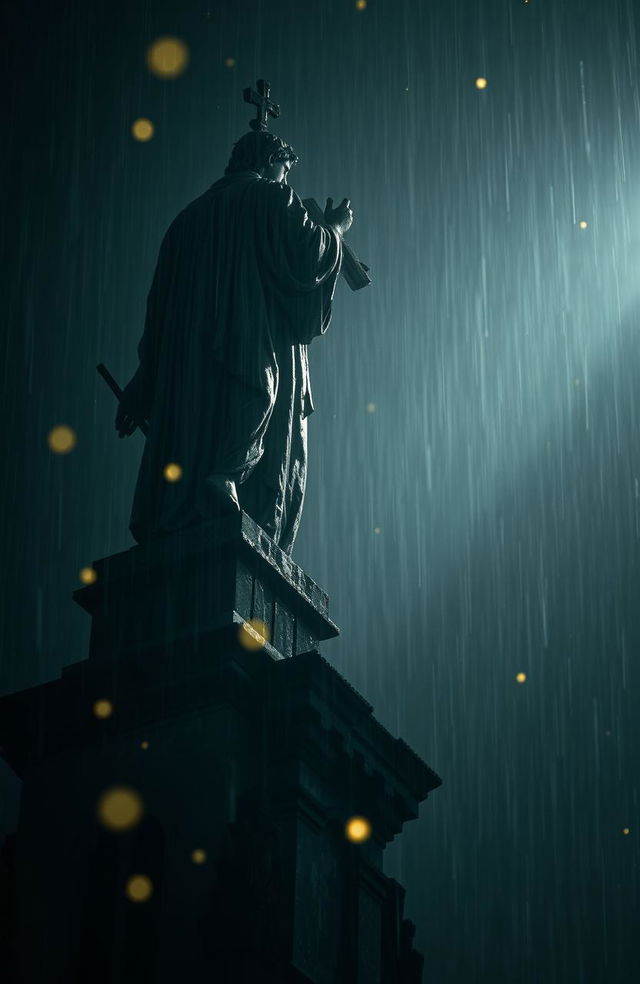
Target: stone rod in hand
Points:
(353, 270)
(115, 389)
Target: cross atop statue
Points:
(264, 107)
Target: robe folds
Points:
(243, 283)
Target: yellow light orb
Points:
(371, 408)
(167, 57)
(229, 63)
(139, 888)
(521, 677)
(253, 634)
(120, 808)
(103, 708)
(172, 472)
(88, 576)
(481, 83)
(357, 830)
(583, 224)
(626, 831)
(144, 745)
(142, 129)
(62, 439)
(198, 856)
(361, 4)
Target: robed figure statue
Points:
(244, 281)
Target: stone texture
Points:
(255, 758)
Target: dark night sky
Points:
(473, 506)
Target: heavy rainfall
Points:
(473, 500)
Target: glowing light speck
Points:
(481, 83)
(172, 472)
(120, 808)
(167, 57)
(253, 634)
(142, 129)
(103, 708)
(521, 677)
(198, 856)
(139, 888)
(62, 439)
(357, 830)
(88, 576)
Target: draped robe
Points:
(244, 281)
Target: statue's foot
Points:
(225, 493)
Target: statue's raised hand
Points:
(339, 218)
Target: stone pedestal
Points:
(184, 588)
(253, 760)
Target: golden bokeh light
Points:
(62, 439)
(361, 4)
(142, 129)
(167, 57)
(521, 677)
(357, 830)
(139, 888)
(144, 745)
(120, 808)
(88, 576)
(583, 224)
(253, 634)
(626, 831)
(481, 83)
(371, 408)
(229, 63)
(198, 856)
(172, 472)
(103, 708)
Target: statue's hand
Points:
(130, 409)
(339, 218)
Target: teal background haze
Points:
(499, 344)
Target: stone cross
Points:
(265, 108)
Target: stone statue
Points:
(244, 281)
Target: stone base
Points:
(255, 760)
(189, 585)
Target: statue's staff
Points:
(113, 386)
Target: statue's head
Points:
(264, 153)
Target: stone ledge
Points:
(199, 580)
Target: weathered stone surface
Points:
(192, 584)
(256, 759)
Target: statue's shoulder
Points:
(280, 196)
(258, 192)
